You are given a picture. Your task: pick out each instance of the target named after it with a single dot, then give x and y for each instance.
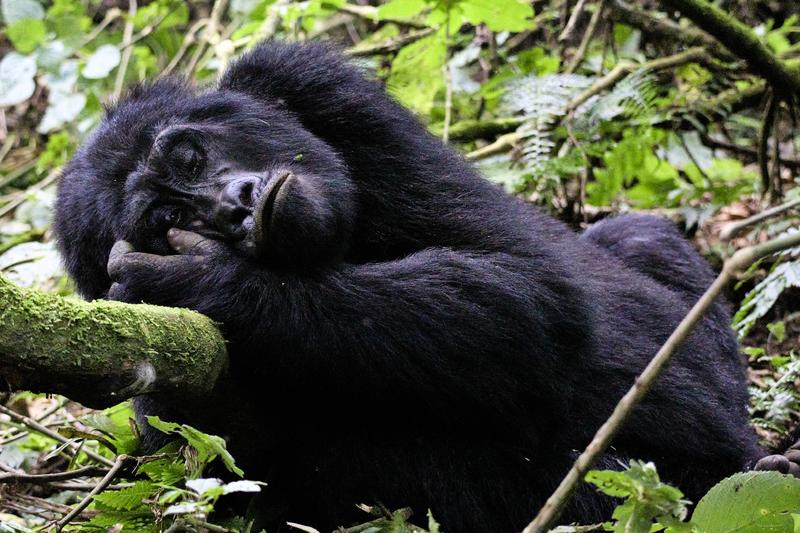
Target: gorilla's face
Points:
(241, 173)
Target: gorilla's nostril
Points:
(246, 194)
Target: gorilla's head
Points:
(217, 163)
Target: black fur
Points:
(457, 349)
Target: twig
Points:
(577, 59)
(7, 145)
(577, 11)
(770, 111)
(370, 13)
(448, 82)
(653, 25)
(105, 482)
(22, 419)
(22, 477)
(503, 143)
(624, 68)
(111, 15)
(127, 36)
(20, 196)
(644, 382)
(733, 229)
(741, 41)
(390, 45)
(188, 40)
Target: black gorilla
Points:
(400, 330)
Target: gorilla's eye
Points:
(165, 217)
(186, 158)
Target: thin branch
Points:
(644, 382)
(127, 51)
(577, 11)
(742, 42)
(101, 486)
(22, 477)
(44, 430)
(577, 59)
(390, 45)
(733, 229)
(659, 26)
(770, 111)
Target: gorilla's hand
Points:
(162, 279)
(786, 463)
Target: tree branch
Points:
(103, 352)
(741, 41)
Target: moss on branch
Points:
(99, 353)
(741, 41)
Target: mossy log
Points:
(100, 353)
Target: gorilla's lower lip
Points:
(265, 206)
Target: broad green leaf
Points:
(16, 10)
(416, 74)
(16, 78)
(498, 15)
(750, 502)
(26, 34)
(401, 9)
(101, 62)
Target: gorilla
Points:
(400, 330)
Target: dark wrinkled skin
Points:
(400, 330)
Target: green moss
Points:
(75, 343)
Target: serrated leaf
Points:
(16, 78)
(101, 62)
(208, 447)
(126, 499)
(750, 502)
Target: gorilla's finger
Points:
(190, 243)
(776, 463)
(119, 249)
(142, 264)
(120, 293)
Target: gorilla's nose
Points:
(234, 211)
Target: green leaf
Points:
(101, 62)
(208, 447)
(26, 34)
(757, 502)
(416, 74)
(127, 499)
(498, 15)
(401, 9)
(15, 10)
(16, 78)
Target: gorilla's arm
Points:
(334, 100)
(442, 327)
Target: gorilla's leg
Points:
(655, 247)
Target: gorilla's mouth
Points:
(265, 207)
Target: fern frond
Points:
(541, 100)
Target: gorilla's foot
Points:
(786, 463)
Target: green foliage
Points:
(208, 447)
(649, 504)
(760, 300)
(750, 502)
